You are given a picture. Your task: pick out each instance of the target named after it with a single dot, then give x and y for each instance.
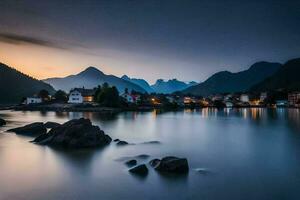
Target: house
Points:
(294, 99)
(228, 104)
(263, 96)
(217, 97)
(131, 98)
(228, 97)
(190, 100)
(33, 100)
(204, 102)
(244, 98)
(281, 103)
(81, 95)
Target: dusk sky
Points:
(188, 40)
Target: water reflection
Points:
(258, 145)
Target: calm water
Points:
(244, 154)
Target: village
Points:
(82, 97)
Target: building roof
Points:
(84, 92)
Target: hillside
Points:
(15, 85)
(90, 78)
(287, 77)
(226, 81)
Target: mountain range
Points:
(261, 76)
(170, 86)
(161, 86)
(225, 81)
(89, 78)
(15, 85)
(140, 82)
(287, 78)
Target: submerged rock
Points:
(76, 133)
(171, 165)
(141, 170)
(36, 128)
(51, 124)
(142, 156)
(122, 143)
(131, 163)
(152, 142)
(2, 122)
(203, 171)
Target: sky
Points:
(151, 39)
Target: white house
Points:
(229, 104)
(130, 98)
(81, 95)
(33, 100)
(244, 98)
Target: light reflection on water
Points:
(249, 153)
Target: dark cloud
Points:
(16, 39)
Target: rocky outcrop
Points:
(2, 122)
(36, 128)
(131, 163)
(171, 165)
(77, 133)
(140, 170)
(122, 143)
(51, 124)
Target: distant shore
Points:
(61, 107)
(64, 107)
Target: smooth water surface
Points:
(233, 154)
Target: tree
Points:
(44, 95)
(97, 92)
(105, 85)
(61, 96)
(109, 96)
(126, 90)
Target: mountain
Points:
(287, 77)
(15, 85)
(140, 82)
(90, 78)
(226, 81)
(170, 86)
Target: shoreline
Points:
(108, 110)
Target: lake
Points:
(232, 153)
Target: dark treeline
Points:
(15, 85)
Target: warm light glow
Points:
(88, 99)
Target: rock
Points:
(152, 142)
(154, 163)
(140, 170)
(51, 125)
(36, 128)
(142, 156)
(40, 138)
(122, 143)
(131, 163)
(2, 122)
(173, 165)
(116, 140)
(76, 133)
